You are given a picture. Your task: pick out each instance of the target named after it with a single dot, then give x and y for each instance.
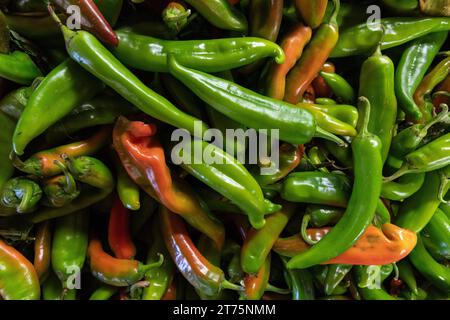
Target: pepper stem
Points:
(442, 187)
(337, 8)
(17, 162)
(67, 33)
(272, 288)
(402, 171)
(396, 271)
(363, 125)
(321, 133)
(303, 230)
(231, 286)
(71, 185)
(153, 265)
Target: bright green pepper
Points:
(90, 171)
(127, 190)
(397, 31)
(406, 274)
(403, 6)
(404, 188)
(370, 293)
(14, 102)
(301, 282)
(411, 69)
(362, 204)
(340, 87)
(436, 236)
(151, 54)
(377, 84)
(66, 87)
(69, 247)
(53, 290)
(322, 216)
(104, 292)
(335, 275)
(18, 67)
(244, 191)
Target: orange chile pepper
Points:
(292, 45)
(313, 58)
(375, 247)
(143, 158)
(443, 87)
(43, 163)
(200, 273)
(321, 88)
(42, 250)
(119, 237)
(312, 11)
(113, 271)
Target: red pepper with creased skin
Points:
(92, 19)
(143, 158)
(321, 88)
(375, 247)
(292, 45)
(119, 237)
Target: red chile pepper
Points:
(292, 45)
(374, 247)
(321, 88)
(143, 158)
(92, 19)
(312, 60)
(312, 11)
(200, 273)
(119, 237)
(42, 250)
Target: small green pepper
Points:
(22, 194)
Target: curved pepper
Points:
(92, 19)
(227, 176)
(143, 158)
(340, 87)
(411, 69)
(436, 236)
(42, 250)
(361, 39)
(22, 194)
(220, 14)
(258, 243)
(90, 171)
(296, 126)
(370, 293)
(18, 279)
(119, 237)
(256, 284)
(334, 277)
(18, 67)
(113, 271)
(322, 216)
(85, 49)
(404, 188)
(104, 292)
(313, 58)
(362, 203)
(345, 113)
(60, 190)
(292, 44)
(73, 86)
(43, 163)
(374, 247)
(151, 54)
(312, 11)
(200, 273)
(321, 88)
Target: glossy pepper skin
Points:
(296, 126)
(413, 65)
(377, 84)
(21, 194)
(370, 293)
(312, 11)
(127, 190)
(323, 91)
(335, 275)
(150, 54)
(340, 87)
(258, 243)
(113, 271)
(43, 164)
(42, 250)
(119, 237)
(265, 18)
(92, 19)
(256, 284)
(416, 211)
(292, 44)
(436, 236)
(85, 49)
(322, 216)
(18, 67)
(360, 39)
(63, 89)
(227, 176)
(404, 188)
(143, 158)
(300, 282)
(220, 14)
(69, 245)
(313, 58)
(200, 273)
(60, 190)
(363, 201)
(436, 273)
(18, 279)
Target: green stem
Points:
(323, 134)
(303, 230)
(231, 286)
(271, 288)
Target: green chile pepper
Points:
(69, 246)
(90, 171)
(63, 89)
(94, 57)
(362, 204)
(14, 102)
(404, 188)
(406, 274)
(436, 236)
(220, 14)
(151, 54)
(60, 190)
(335, 275)
(22, 194)
(416, 211)
(322, 216)
(104, 292)
(301, 282)
(360, 39)
(377, 84)
(370, 293)
(411, 69)
(244, 191)
(320, 275)
(402, 6)
(53, 290)
(18, 67)
(127, 189)
(436, 273)
(340, 87)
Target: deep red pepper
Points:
(119, 237)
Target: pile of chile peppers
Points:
(92, 186)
